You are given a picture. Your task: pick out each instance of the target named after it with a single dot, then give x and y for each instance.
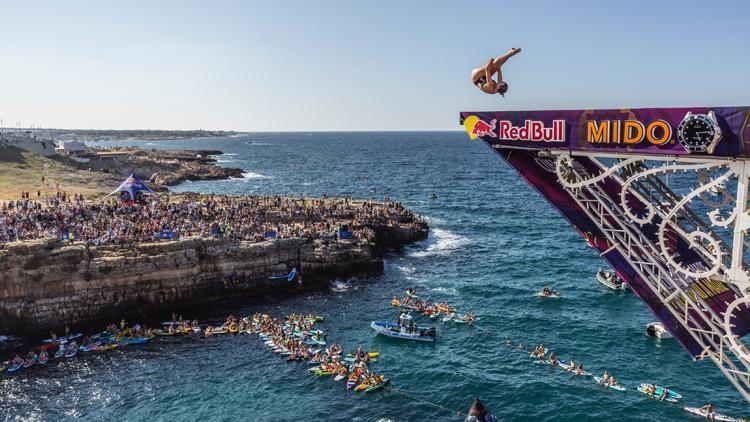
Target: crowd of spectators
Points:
(149, 218)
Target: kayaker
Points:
(664, 394)
(651, 390)
(53, 336)
(17, 360)
(613, 381)
(580, 370)
(572, 366)
(67, 331)
(547, 292)
(552, 359)
(604, 379)
(122, 324)
(710, 410)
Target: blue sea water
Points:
(494, 242)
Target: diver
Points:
(481, 77)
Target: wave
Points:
(441, 242)
(249, 175)
(226, 161)
(229, 153)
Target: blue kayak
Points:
(394, 331)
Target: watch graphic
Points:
(699, 132)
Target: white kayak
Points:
(610, 279)
(553, 295)
(716, 416)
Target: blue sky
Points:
(357, 65)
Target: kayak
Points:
(614, 387)
(351, 382)
(660, 390)
(164, 333)
(339, 377)
(364, 386)
(60, 352)
(89, 347)
(322, 373)
(63, 339)
(657, 395)
(71, 351)
(370, 354)
(555, 295)
(16, 367)
(377, 387)
(29, 362)
(703, 413)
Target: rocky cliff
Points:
(48, 283)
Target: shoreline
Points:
(51, 283)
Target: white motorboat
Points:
(657, 329)
(610, 279)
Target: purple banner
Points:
(717, 131)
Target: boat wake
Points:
(441, 242)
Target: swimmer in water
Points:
(481, 77)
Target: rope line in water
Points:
(405, 393)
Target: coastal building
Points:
(75, 150)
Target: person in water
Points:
(481, 77)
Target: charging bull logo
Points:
(477, 128)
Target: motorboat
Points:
(426, 334)
(657, 329)
(610, 279)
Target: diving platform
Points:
(661, 194)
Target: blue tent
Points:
(131, 185)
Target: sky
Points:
(357, 65)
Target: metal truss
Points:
(656, 261)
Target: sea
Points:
(493, 243)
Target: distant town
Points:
(94, 135)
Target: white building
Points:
(73, 149)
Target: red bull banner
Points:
(706, 131)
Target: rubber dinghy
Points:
(426, 334)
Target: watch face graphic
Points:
(697, 132)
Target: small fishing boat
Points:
(610, 279)
(657, 329)
(426, 334)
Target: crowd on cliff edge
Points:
(149, 218)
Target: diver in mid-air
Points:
(482, 76)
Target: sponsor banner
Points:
(537, 171)
(718, 131)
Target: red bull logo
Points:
(478, 128)
(532, 130)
